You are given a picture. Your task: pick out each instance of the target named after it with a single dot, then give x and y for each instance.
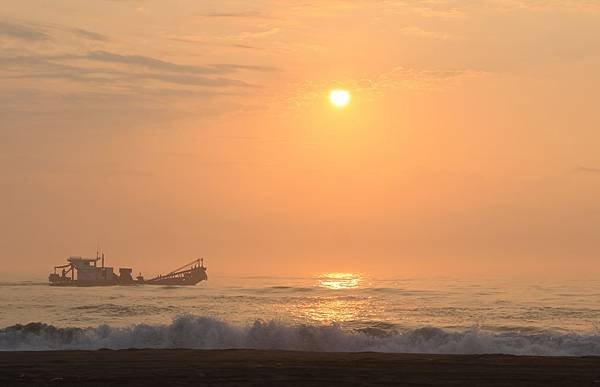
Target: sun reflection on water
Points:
(334, 307)
(338, 281)
(327, 311)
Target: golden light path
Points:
(334, 308)
(339, 97)
(339, 281)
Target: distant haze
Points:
(165, 131)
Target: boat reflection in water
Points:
(87, 272)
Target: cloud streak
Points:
(235, 15)
(89, 34)
(158, 64)
(45, 68)
(588, 170)
(21, 31)
(39, 32)
(426, 34)
(149, 62)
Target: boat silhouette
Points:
(80, 271)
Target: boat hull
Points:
(81, 284)
(188, 278)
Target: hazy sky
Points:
(166, 130)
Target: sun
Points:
(339, 97)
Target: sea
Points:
(327, 312)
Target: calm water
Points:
(330, 312)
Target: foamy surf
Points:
(198, 332)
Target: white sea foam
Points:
(208, 333)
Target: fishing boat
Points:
(79, 271)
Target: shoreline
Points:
(249, 367)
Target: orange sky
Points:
(170, 130)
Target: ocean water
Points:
(333, 312)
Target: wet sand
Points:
(280, 368)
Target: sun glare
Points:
(339, 97)
(339, 280)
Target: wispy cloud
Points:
(187, 80)
(443, 9)
(537, 5)
(236, 67)
(207, 41)
(148, 62)
(21, 31)
(257, 34)
(89, 34)
(588, 170)
(48, 67)
(427, 34)
(41, 32)
(158, 64)
(236, 15)
(425, 79)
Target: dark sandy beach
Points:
(263, 368)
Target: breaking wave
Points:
(209, 333)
